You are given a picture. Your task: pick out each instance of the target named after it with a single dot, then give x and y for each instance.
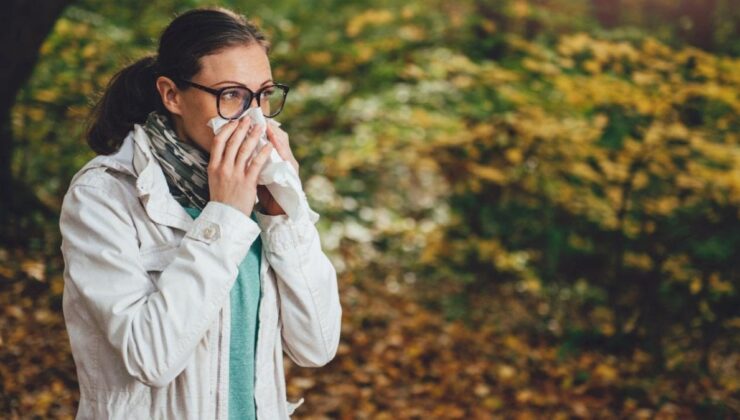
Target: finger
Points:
(235, 141)
(257, 162)
(247, 148)
(219, 142)
(275, 133)
(281, 147)
(275, 125)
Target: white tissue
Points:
(279, 176)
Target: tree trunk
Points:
(24, 25)
(701, 13)
(607, 12)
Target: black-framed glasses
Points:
(232, 101)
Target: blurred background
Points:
(533, 205)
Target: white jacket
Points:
(146, 295)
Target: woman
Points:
(180, 295)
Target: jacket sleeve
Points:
(310, 309)
(154, 327)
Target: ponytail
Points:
(129, 97)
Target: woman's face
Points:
(192, 108)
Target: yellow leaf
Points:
(35, 269)
(488, 173)
(695, 286)
(606, 372)
(506, 372)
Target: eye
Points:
(232, 94)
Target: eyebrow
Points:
(241, 84)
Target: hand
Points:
(231, 178)
(279, 139)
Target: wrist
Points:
(270, 212)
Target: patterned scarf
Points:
(184, 165)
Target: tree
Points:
(23, 28)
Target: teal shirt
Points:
(245, 295)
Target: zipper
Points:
(218, 365)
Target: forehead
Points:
(246, 64)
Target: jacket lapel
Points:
(151, 185)
(135, 158)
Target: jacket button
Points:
(209, 232)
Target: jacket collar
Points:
(135, 158)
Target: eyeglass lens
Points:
(233, 101)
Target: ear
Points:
(170, 94)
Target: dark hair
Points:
(131, 93)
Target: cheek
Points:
(206, 137)
(199, 132)
(196, 119)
